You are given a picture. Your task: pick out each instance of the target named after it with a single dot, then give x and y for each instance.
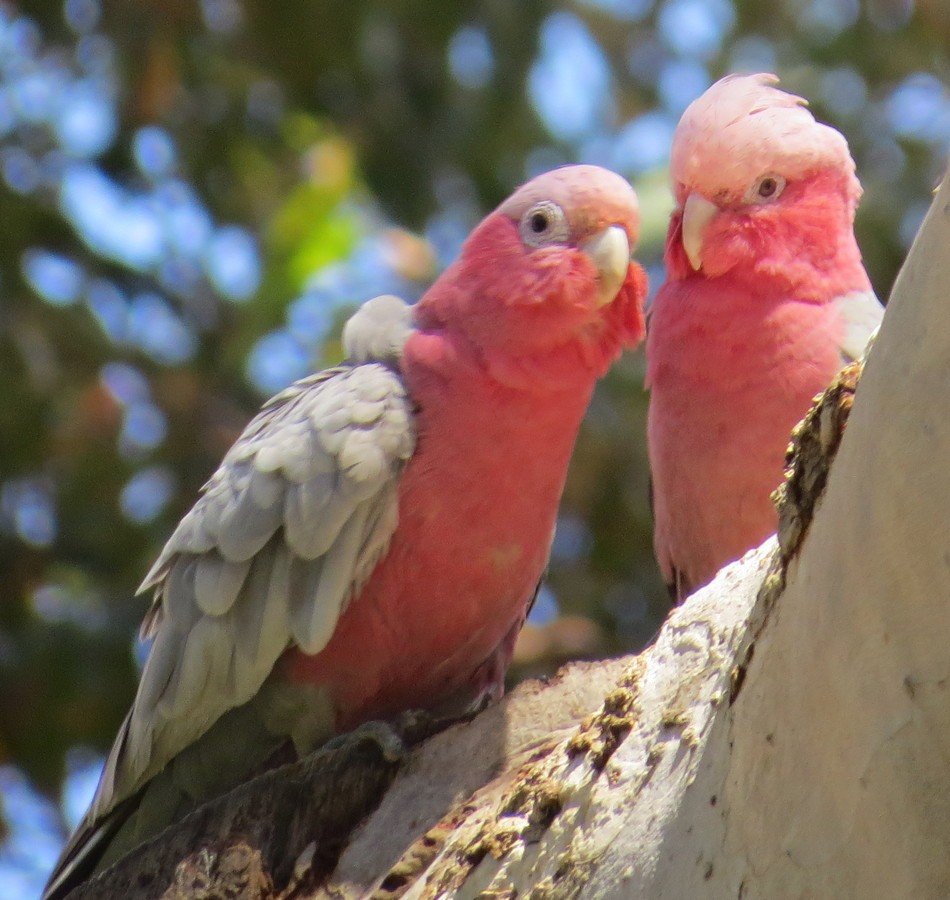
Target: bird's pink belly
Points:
(422, 628)
(477, 506)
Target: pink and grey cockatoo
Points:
(765, 299)
(373, 540)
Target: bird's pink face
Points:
(551, 269)
(759, 184)
(773, 222)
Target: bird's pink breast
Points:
(477, 507)
(730, 377)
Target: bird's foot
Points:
(384, 735)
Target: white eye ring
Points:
(543, 224)
(766, 189)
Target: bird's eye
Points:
(544, 223)
(768, 187)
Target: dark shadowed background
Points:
(193, 195)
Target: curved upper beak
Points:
(610, 251)
(697, 213)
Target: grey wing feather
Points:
(291, 524)
(861, 313)
(314, 618)
(217, 582)
(287, 529)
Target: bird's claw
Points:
(382, 734)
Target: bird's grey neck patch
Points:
(378, 330)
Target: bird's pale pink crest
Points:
(744, 127)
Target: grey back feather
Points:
(287, 529)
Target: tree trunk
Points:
(787, 735)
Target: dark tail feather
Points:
(84, 849)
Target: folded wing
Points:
(285, 533)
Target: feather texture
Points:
(300, 539)
(299, 512)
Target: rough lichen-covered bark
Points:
(286, 827)
(814, 444)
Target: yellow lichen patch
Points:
(567, 882)
(600, 735)
(525, 812)
(674, 718)
(418, 857)
(537, 795)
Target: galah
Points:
(765, 299)
(372, 541)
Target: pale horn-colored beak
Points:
(697, 213)
(610, 251)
